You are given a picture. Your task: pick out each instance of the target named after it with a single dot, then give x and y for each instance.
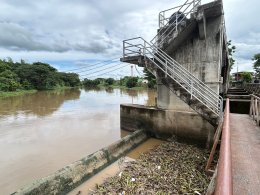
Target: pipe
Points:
(224, 185)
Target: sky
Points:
(75, 34)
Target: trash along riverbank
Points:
(170, 168)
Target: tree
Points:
(246, 77)
(109, 81)
(256, 64)
(91, 83)
(4, 66)
(9, 81)
(131, 82)
(69, 79)
(150, 78)
(231, 51)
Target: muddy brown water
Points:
(43, 132)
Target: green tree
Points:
(256, 63)
(110, 81)
(231, 51)
(38, 75)
(91, 83)
(9, 81)
(246, 77)
(4, 66)
(150, 78)
(48, 66)
(132, 82)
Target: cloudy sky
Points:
(69, 34)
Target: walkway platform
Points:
(245, 149)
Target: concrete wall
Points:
(76, 173)
(182, 125)
(200, 50)
(166, 99)
(202, 56)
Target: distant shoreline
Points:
(6, 94)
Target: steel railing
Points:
(254, 108)
(195, 87)
(168, 24)
(224, 183)
(252, 88)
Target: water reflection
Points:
(42, 103)
(42, 132)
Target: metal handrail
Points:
(224, 183)
(165, 55)
(185, 9)
(178, 73)
(190, 87)
(162, 13)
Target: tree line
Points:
(42, 76)
(127, 81)
(38, 75)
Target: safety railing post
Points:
(144, 50)
(221, 108)
(191, 90)
(176, 21)
(166, 68)
(123, 49)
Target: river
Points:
(43, 132)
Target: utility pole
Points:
(132, 71)
(237, 71)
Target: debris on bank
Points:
(171, 168)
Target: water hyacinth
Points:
(170, 168)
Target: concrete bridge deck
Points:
(245, 149)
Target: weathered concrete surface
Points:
(202, 51)
(166, 99)
(245, 148)
(76, 173)
(185, 126)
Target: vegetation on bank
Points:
(149, 81)
(125, 82)
(16, 93)
(19, 76)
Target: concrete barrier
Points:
(162, 123)
(78, 172)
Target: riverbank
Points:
(121, 87)
(171, 168)
(16, 93)
(24, 92)
(6, 94)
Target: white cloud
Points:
(61, 30)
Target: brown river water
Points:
(43, 132)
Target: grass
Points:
(16, 93)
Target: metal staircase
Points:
(186, 86)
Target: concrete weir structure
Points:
(71, 176)
(195, 41)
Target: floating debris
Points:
(170, 168)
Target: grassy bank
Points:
(16, 93)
